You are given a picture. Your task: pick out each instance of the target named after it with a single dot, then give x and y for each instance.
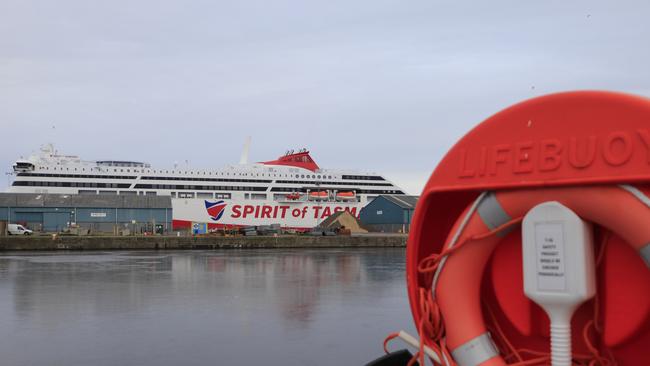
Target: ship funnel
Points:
(244, 153)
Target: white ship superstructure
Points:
(244, 194)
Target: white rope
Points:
(454, 239)
(636, 193)
(409, 339)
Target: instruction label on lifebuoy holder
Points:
(549, 240)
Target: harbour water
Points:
(230, 307)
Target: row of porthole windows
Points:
(201, 195)
(84, 169)
(333, 183)
(185, 172)
(210, 173)
(314, 176)
(55, 168)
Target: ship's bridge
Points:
(23, 166)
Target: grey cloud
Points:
(387, 86)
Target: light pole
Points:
(8, 220)
(318, 204)
(70, 222)
(9, 174)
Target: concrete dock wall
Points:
(168, 242)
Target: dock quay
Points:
(14, 243)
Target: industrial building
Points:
(87, 214)
(389, 213)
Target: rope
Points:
(431, 326)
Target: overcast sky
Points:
(385, 86)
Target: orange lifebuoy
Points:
(624, 210)
(573, 147)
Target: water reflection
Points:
(212, 305)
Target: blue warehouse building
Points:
(389, 213)
(87, 213)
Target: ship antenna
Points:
(244, 153)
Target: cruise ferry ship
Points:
(292, 191)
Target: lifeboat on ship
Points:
(293, 196)
(318, 195)
(346, 196)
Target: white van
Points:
(15, 229)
